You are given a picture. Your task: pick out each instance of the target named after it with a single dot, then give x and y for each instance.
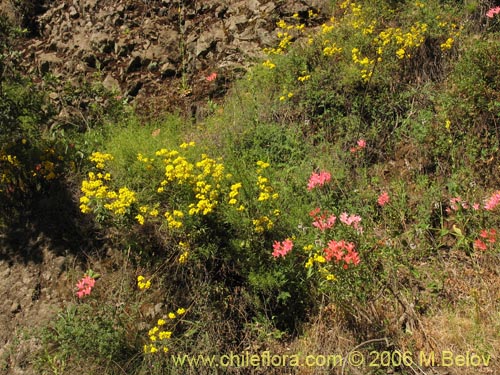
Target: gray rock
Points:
(134, 64)
(111, 83)
(73, 13)
(47, 62)
(15, 308)
(168, 70)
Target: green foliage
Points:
(84, 333)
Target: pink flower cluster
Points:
(492, 12)
(383, 199)
(211, 77)
(493, 201)
(360, 144)
(342, 251)
(351, 220)
(85, 286)
(321, 221)
(318, 179)
(489, 236)
(457, 202)
(282, 248)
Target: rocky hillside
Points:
(151, 51)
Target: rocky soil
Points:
(154, 51)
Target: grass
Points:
(428, 116)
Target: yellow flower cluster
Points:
(204, 177)
(9, 165)
(121, 201)
(146, 210)
(11, 159)
(331, 48)
(233, 194)
(141, 284)
(269, 64)
(365, 63)
(97, 193)
(158, 336)
(266, 191)
(285, 38)
(173, 219)
(303, 78)
(100, 159)
(404, 42)
(315, 258)
(184, 246)
(286, 95)
(262, 224)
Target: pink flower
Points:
(318, 179)
(383, 199)
(85, 286)
(342, 250)
(351, 220)
(361, 144)
(282, 248)
(478, 244)
(492, 12)
(334, 250)
(211, 77)
(454, 201)
(315, 212)
(321, 221)
(490, 235)
(323, 224)
(352, 257)
(493, 201)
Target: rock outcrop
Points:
(159, 49)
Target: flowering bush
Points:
(321, 250)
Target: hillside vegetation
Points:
(341, 200)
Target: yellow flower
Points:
(263, 196)
(140, 219)
(161, 322)
(268, 64)
(165, 335)
(171, 315)
(309, 263)
(447, 45)
(308, 248)
(141, 284)
(183, 257)
(85, 209)
(181, 311)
